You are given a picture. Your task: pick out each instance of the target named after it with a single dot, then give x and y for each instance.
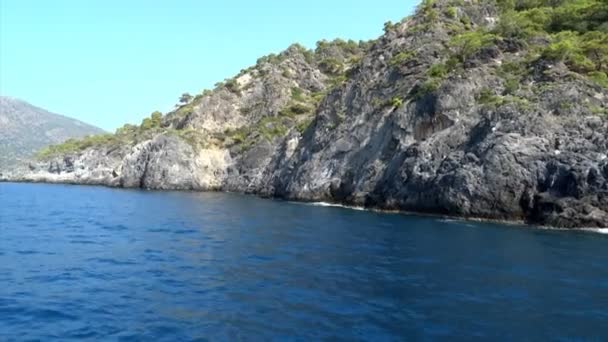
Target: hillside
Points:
(25, 129)
(488, 109)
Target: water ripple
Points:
(88, 263)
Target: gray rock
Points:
(537, 155)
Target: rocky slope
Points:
(467, 108)
(25, 129)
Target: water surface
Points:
(91, 263)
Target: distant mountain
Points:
(25, 129)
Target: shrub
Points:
(337, 81)
(438, 70)
(451, 12)
(317, 97)
(233, 86)
(467, 44)
(309, 56)
(295, 109)
(487, 97)
(566, 47)
(126, 129)
(466, 21)
(598, 110)
(402, 58)
(428, 87)
(185, 98)
(303, 125)
(153, 122)
(580, 15)
(396, 102)
(595, 46)
(184, 110)
(512, 68)
(600, 78)
(528, 17)
(512, 85)
(76, 145)
(297, 94)
(331, 66)
(388, 26)
(430, 14)
(238, 137)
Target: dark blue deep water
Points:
(90, 263)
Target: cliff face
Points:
(24, 129)
(446, 113)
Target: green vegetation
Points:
(577, 31)
(126, 135)
(402, 58)
(582, 53)
(597, 110)
(573, 32)
(511, 85)
(337, 81)
(428, 11)
(271, 59)
(388, 26)
(297, 94)
(303, 125)
(185, 110)
(295, 109)
(233, 86)
(396, 102)
(154, 121)
(436, 74)
(467, 44)
(191, 136)
(267, 128)
(559, 15)
(451, 12)
(298, 113)
(348, 47)
(600, 78)
(438, 70)
(185, 98)
(427, 87)
(331, 66)
(76, 145)
(487, 97)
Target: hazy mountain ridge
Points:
(25, 129)
(491, 109)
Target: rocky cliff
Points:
(488, 109)
(25, 129)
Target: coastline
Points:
(508, 222)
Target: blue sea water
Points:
(90, 263)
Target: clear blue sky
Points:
(110, 62)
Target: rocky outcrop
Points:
(387, 128)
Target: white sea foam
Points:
(601, 230)
(464, 222)
(326, 204)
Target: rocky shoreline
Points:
(410, 122)
(512, 222)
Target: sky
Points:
(111, 62)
